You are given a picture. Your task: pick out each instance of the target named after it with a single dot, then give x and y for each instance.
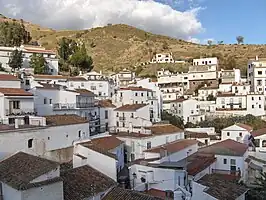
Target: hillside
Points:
(115, 47)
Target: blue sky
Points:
(226, 19)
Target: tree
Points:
(66, 48)
(258, 192)
(175, 120)
(220, 42)
(81, 60)
(209, 42)
(240, 39)
(15, 60)
(38, 63)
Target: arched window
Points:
(30, 143)
(264, 143)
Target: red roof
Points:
(258, 132)
(14, 92)
(107, 143)
(227, 147)
(8, 77)
(106, 104)
(245, 126)
(39, 76)
(137, 89)
(130, 107)
(157, 193)
(173, 147)
(39, 51)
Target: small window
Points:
(30, 143)
(27, 82)
(45, 100)
(252, 98)
(232, 161)
(117, 124)
(259, 98)
(259, 72)
(123, 124)
(16, 104)
(48, 138)
(240, 134)
(252, 106)
(225, 161)
(50, 101)
(136, 94)
(148, 145)
(259, 106)
(79, 133)
(132, 115)
(151, 102)
(228, 133)
(142, 94)
(106, 114)
(67, 136)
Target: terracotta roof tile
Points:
(227, 147)
(222, 186)
(78, 183)
(225, 94)
(137, 89)
(209, 88)
(49, 77)
(189, 134)
(158, 193)
(59, 120)
(100, 150)
(108, 143)
(20, 169)
(85, 92)
(259, 132)
(14, 92)
(245, 126)
(8, 77)
(106, 104)
(123, 194)
(77, 78)
(39, 51)
(173, 147)
(130, 107)
(132, 134)
(47, 86)
(161, 129)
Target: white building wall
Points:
(52, 174)
(198, 192)
(234, 133)
(52, 192)
(205, 61)
(10, 84)
(10, 193)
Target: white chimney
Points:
(16, 123)
(257, 58)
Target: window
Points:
(259, 98)
(123, 124)
(106, 114)
(93, 87)
(117, 124)
(142, 94)
(30, 143)
(45, 100)
(148, 145)
(82, 84)
(259, 72)
(27, 82)
(264, 143)
(228, 133)
(252, 98)
(240, 134)
(136, 94)
(259, 106)
(133, 146)
(137, 102)
(50, 101)
(151, 102)
(225, 161)
(252, 106)
(132, 115)
(48, 138)
(79, 133)
(117, 114)
(16, 104)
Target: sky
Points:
(192, 20)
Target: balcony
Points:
(93, 118)
(69, 106)
(20, 112)
(122, 118)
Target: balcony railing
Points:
(20, 112)
(69, 106)
(93, 118)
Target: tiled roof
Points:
(39, 76)
(227, 147)
(189, 134)
(123, 194)
(85, 92)
(137, 89)
(161, 129)
(39, 51)
(259, 132)
(100, 150)
(198, 162)
(132, 134)
(130, 107)
(179, 100)
(107, 143)
(209, 88)
(59, 120)
(245, 126)
(223, 187)
(225, 94)
(20, 169)
(173, 147)
(76, 78)
(83, 182)
(47, 86)
(8, 77)
(158, 193)
(14, 92)
(106, 104)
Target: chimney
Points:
(16, 124)
(257, 58)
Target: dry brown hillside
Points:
(121, 46)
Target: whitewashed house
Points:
(9, 81)
(230, 156)
(132, 118)
(27, 177)
(230, 76)
(217, 187)
(206, 92)
(238, 132)
(139, 95)
(256, 74)
(51, 137)
(234, 104)
(108, 150)
(27, 52)
(123, 78)
(52, 99)
(205, 61)
(163, 58)
(107, 114)
(137, 142)
(241, 88)
(15, 104)
(187, 109)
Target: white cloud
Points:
(80, 14)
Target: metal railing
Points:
(122, 118)
(19, 112)
(67, 106)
